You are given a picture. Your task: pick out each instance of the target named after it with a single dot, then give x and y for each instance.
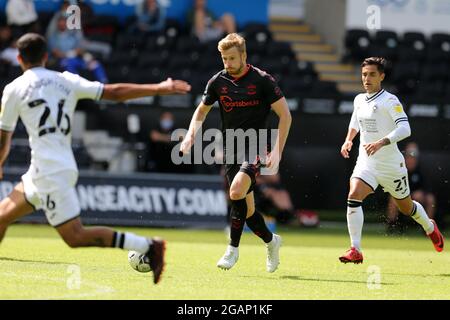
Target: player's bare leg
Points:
(416, 211)
(359, 190)
(76, 235)
(13, 207)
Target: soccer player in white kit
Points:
(381, 121)
(45, 101)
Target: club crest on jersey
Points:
(251, 89)
(224, 90)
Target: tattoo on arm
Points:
(385, 141)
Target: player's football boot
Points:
(273, 253)
(437, 238)
(156, 257)
(352, 255)
(229, 259)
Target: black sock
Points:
(238, 214)
(118, 240)
(257, 224)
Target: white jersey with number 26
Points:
(45, 101)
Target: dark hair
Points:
(375, 61)
(32, 48)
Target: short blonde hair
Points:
(230, 41)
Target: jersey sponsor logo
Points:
(228, 103)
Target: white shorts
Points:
(394, 180)
(59, 202)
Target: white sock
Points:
(355, 221)
(130, 241)
(420, 215)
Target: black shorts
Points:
(252, 170)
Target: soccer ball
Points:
(139, 261)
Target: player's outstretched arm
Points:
(198, 118)
(5, 145)
(126, 91)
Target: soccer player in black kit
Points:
(246, 95)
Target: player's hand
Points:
(170, 86)
(346, 148)
(273, 161)
(186, 145)
(372, 148)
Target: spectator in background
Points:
(104, 49)
(150, 17)
(205, 26)
(65, 46)
(161, 144)
(420, 190)
(9, 54)
(273, 198)
(22, 17)
(5, 37)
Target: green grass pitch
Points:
(36, 264)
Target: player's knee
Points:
(236, 194)
(355, 195)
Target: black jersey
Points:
(244, 102)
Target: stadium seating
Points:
(357, 42)
(419, 65)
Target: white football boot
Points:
(229, 259)
(273, 253)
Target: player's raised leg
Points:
(13, 207)
(416, 211)
(76, 235)
(359, 190)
